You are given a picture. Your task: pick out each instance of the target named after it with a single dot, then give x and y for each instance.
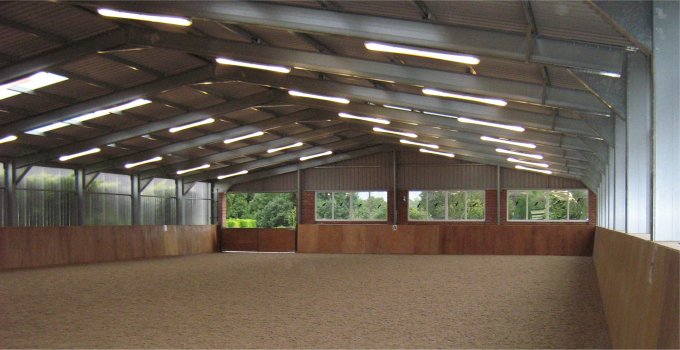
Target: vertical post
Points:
(498, 194)
(136, 201)
(611, 192)
(638, 136)
(394, 188)
(620, 166)
(666, 121)
(214, 217)
(298, 209)
(179, 197)
(80, 197)
(10, 195)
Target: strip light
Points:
(192, 125)
(405, 134)
(412, 51)
(76, 155)
(9, 138)
(441, 115)
(493, 125)
(204, 166)
(322, 154)
(242, 172)
(88, 116)
(490, 101)
(367, 119)
(272, 68)
(509, 142)
(318, 97)
(520, 167)
(132, 165)
(30, 83)
(398, 108)
(521, 154)
(178, 21)
(239, 138)
(297, 144)
(428, 145)
(515, 160)
(450, 155)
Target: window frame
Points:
(546, 194)
(446, 205)
(351, 207)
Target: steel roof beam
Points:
(200, 141)
(611, 91)
(75, 51)
(144, 129)
(243, 151)
(112, 99)
(305, 165)
(328, 63)
(283, 158)
(423, 34)
(632, 19)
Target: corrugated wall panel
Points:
(446, 177)
(348, 178)
(280, 183)
(515, 179)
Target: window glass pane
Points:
(436, 205)
(537, 205)
(111, 183)
(475, 205)
(341, 205)
(517, 204)
(267, 210)
(457, 205)
(377, 205)
(578, 205)
(324, 206)
(417, 209)
(558, 205)
(108, 209)
(360, 206)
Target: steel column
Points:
(620, 166)
(179, 197)
(136, 201)
(10, 196)
(80, 197)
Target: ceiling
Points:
(543, 58)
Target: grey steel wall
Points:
(516, 179)
(279, 183)
(418, 171)
(372, 172)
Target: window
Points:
(265, 210)
(108, 200)
(351, 206)
(446, 205)
(548, 205)
(46, 197)
(159, 203)
(197, 204)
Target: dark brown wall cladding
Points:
(258, 239)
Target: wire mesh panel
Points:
(159, 204)
(46, 197)
(108, 200)
(197, 204)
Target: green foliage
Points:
(562, 205)
(261, 210)
(432, 205)
(370, 206)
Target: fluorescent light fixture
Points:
(30, 83)
(398, 108)
(46, 128)
(132, 165)
(493, 125)
(366, 119)
(9, 138)
(441, 115)
(247, 136)
(428, 145)
(76, 155)
(318, 97)
(405, 134)
(412, 51)
(520, 167)
(610, 74)
(192, 125)
(204, 166)
(322, 154)
(509, 142)
(515, 160)
(297, 144)
(521, 154)
(445, 154)
(489, 101)
(229, 61)
(178, 21)
(242, 172)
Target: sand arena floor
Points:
(306, 301)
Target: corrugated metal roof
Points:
(31, 103)
(396, 9)
(507, 69)
(99, 68)
(66, 21)
(217, 30)
(74, 88)
(186, 96)
(20, 44)
(562, 78)
(574, 20)
(280, 38)
(167, 61)
(498, 15)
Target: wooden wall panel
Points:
(447, 239)
(22, 247)
(258, 239)
(239, 239)
(638, 282)
(276, 240)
